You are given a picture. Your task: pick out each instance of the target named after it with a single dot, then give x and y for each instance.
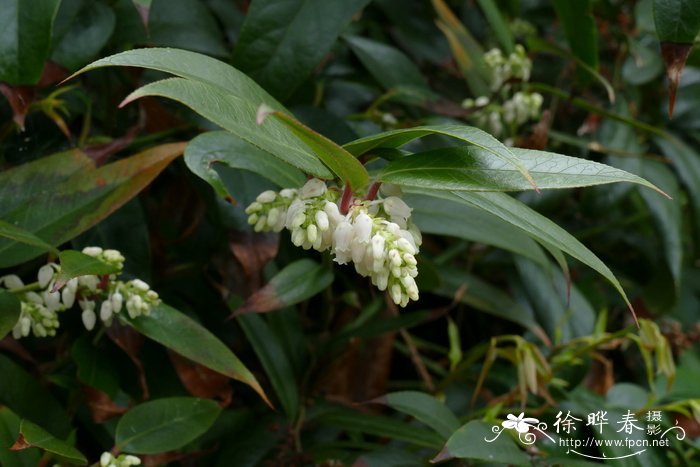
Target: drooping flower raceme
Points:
(377, 236)
(98, 297)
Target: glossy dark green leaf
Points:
(470, 135)
(187, 24)
(470, 442)
(77, 202)
(335, 157)
(190, 339)
(275, 360)
(389, 66)
(424, 408)
(35, 436)
(94, 367)
(87, 33)
(580, 30)
(29, 399)
(165, 424)
(20, 235)
(442, 215)
(475, 169)
(677, 20)
(76, 264)
(9, 431)
(295, 283)
(282, 41)
(221, 147)
(10, 309)
(25, 38)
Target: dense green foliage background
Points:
(505, 324)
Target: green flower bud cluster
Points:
(107, 459)
(97, 296)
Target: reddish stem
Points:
(346, 200)
(373, 190)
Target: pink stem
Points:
(373, 190)
(346, 200)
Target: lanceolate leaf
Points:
(468, 134)
(475, 169)
(190, 339)
(282, 41)
(10, 309)
(165, 424)
(469, 442)
(77, 203)
(222, 147)
(580, 29)
(295, 283)
(339, 160)
(31, 435)
(539, 228)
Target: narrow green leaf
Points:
(237, 115)
(424, 408)
(282, 41)
(436, 212)
(335, 157)
(468, 134)
(25, 38)
(10, 309)
(469, 442)
(165, 424)
(178, 332)
(78, 202)
(274, 359)
(221, 147)
(580, 30)
(35, 436)
(20, 235)
(498, 25)
(9, 431)
(475, 169)
(76, 264)
(295, 283)
(389, 66)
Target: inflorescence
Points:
(377, 236)
(100, 297)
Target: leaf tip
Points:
(443, 455)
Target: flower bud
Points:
(93, 251)
(89, 319)
(266, 197)
(12, 281)
(45, 275)
(313, 188)
(106, 310)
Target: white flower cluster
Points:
(40, 305)
(517, 65)
(377, 236)
(504, 114)
(107, 459)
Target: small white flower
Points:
(362, 228)
(12, 281)
(113, 256)
(140, 285)
(89, 319)
(52, 300)
(45, 275)
(117, 301)
(68, 296)
(105, 459)
(322, 220)
(34, 298)
(313, 188)
(93, 251)
(132, 460)
(106, 310)
(266, 197)
(89, 282)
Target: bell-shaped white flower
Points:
(313, 189)
(89, 319)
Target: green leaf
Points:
(25, 37)
(385, 427)
(221, 147)
(10, 309)
(469, 442)
(540, 228)
(178, 332)
(580, 30)
(35, 436)
(424, 408)
(77, 202)
(275, 360)
(165, 424)
(499, 26)
(686, 161)
(86, 34)
(9, 431)
(282, 41)
(389, 66)
(677, 20)
(94, 367)
(76, 264)
(295, 283)
(17, 234)
(439, 213)
(475, 169)
(335, 157)
(468, 134)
